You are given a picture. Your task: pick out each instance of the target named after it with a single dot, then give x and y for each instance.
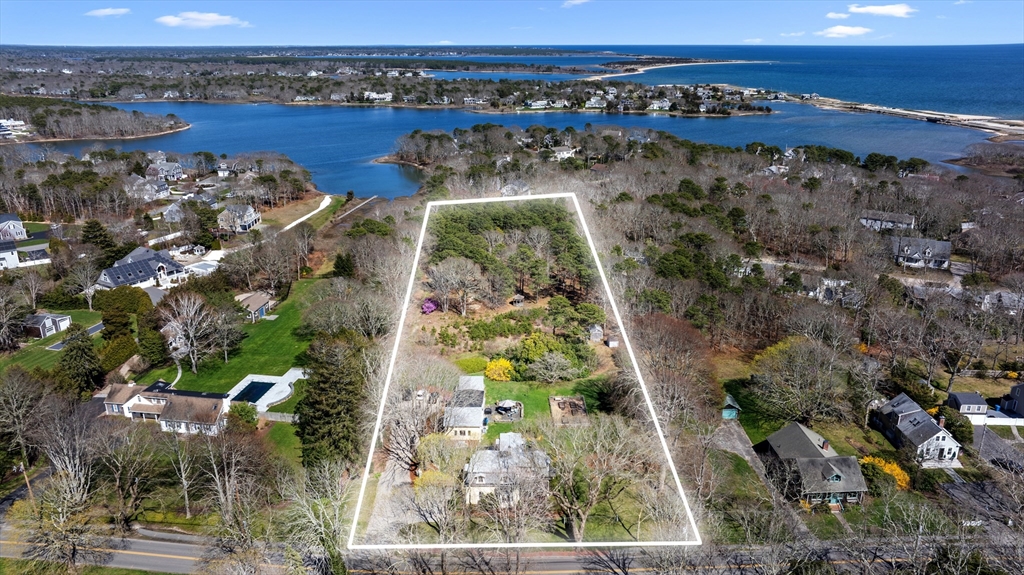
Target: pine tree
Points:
(94, 233)
(328, 415)
(344, 266)
(78, 368)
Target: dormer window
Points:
(835, 478)
(928, 252)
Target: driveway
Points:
(91, 331)
(991, 446)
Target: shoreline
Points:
(644, 69)
(94, 138)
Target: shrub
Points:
(474, 364)
(890, 468)
(930, 479)
(428, 307)
(499, 369)
(127, 299)
(957, 425)
(879, 482)
(118, 351)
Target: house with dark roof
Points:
(42, 325)
(905, 424)
(1013, 401)
(506, 467)
(8, 255)
(464, 414)
(145, 189)
(807, 468)
(921, 252)
(878, 221)
(177, 411)
(174, 213)
(143, 268)
(970, 404)
(12, 228)
(163, 170)
(239, 218)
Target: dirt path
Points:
(389, 512)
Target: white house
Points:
(538, 104)
(563, 152)
(508, 465)
(464, 415)
(877, 220)
(377, 97)
(223, 170)
(177, 411)
(146, 190)
(904, 423)
(12, 228)
(662, 104)
(8, 255)
(143, 268)
(596, 102)
(170, 171)
(239, 218)
(970, 404)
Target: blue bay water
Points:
(337, 144)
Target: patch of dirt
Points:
(287, 214)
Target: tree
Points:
(182, 452)
(344, 266)
(588, 314)
(242, 417)
(560, 312)
(79, 369)
(82, 278)
(192, 326)
(20, 397)
(227, 332)
(799, 381)
(958, 426)
(11, 316)
(301, 238)
(552, 367)
(499, 369)
(328, 415)
(317, 515)
(126, 452)
(456, 277)
(31, 285)
(116, 323)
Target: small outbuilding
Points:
(596, 333)
(731, 408)
(43, 325)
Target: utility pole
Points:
(28, 484)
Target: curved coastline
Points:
(105, 138)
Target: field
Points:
(534, 397)
(269, 348)
(286, 443)
(35, 353)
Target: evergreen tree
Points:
(328, 415)
(94, 233)
(116, 323)
(344, 266)
(78, 369)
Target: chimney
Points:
(824, 445)
(942, 421)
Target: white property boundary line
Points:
(632, 357)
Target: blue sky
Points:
(500, 22)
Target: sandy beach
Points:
(42, 141)
(642, 69)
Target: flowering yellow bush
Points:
(901, 477)
(862, 347)
(933, 411)
(1013, 375)
(499, 369)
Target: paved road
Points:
(991, 446)
(164, 556)
(92, 331)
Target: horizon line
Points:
(533, 46)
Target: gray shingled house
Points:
(807, 468)
(904, 423)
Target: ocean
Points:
(337, 144)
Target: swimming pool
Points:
(253, 392)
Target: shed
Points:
(731, 408)
(596, 333)
(518, 300)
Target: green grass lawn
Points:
(739, 479)
(282, 436)
(35, 353)
(848, 439)
(27, 243)
(288, 406)
(25, 567)
(321, 218)
(269, 348)
(33, 227)
(1003, 431)
(824, 526)
(756, 423)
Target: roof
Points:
(239, 209)
(471, 382)
(916, 247)
(8, 246)
(157, 408)
(468, 398)
(918, 427)
(37, 319)
(495, 465)
(463, 417)
(120, 393)
(905, 219)
(138, 266)
(193, 409)
(4, 218)
(796, 441)
(730, 401)
(967, 398)
(254, 301)
(815, 474)
(900, 405)
(156, 295)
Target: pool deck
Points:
(282, 389)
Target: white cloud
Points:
(959, 2)
(446, 42)
(843, 31)
(753, 40)
(791, 34)
(201, 20)
(896, 10)
(837, 15)
(102, 12)
(571, 3)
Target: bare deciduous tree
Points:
(31, 285)
(11, 315)
(83, 277)
(192, 326)
(182, 451)
(126, 452)
(20, 397)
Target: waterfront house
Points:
(12, 228)
(921, 252)
(239, 218)
(143, 268)
(224, 170)
(805, 467)
(905, 424)
(970, 404)
(595, 102)
(169, 171)
(464, 415)
(42, 325)
(662, 104)
(377, 97)
(509, 464)
(878, 221)
(538, 104)
(8, 255)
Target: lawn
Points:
(848, 439)
(757, 424)
(738, 479)
(285, 442)
(288, 406)
(35, 353)
(33, 227)
(1003, 431)
(23, 566)
(269, 348)
(824, 526)
(321, 218)
(38, 242)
